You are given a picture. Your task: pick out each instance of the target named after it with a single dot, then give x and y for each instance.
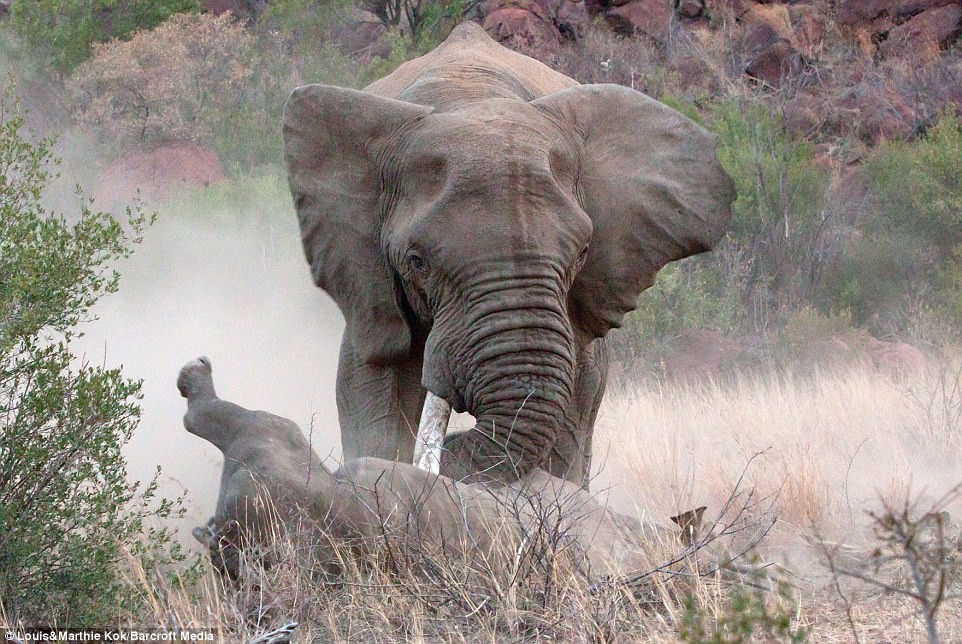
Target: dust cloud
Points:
(230, 283)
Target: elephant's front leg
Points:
(378, 406)
(570, 457)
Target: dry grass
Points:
(829, 447)
(821, 451)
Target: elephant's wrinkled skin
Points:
(271, 476)
(267, 463)
(483, 221)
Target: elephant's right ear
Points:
(331, 138)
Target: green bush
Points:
(68, 514)
(779, 217)
(746, 617)
(64, 31)
(881, 280)
(689, 294)
(918, 187)
(905, 266)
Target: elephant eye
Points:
(417, 262)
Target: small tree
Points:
(66, 508)
(183, 80)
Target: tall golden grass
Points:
(827, 446)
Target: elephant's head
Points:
(505, 236)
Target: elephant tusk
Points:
(434, 422)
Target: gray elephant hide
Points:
(272, 479)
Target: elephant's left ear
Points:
(650, 183)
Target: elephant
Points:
(272, 478)
(482, 222)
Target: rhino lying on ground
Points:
(272, 477)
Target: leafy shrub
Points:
(746, 617)
(918, 186)
(180, 81)
(780, 216)
(64, 31)
(883, 281)
(689, 294)
(67, 512)
(905, 266)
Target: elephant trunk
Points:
(519, 355)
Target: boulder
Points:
(570, 17)
(698, 355)
(758, 37)
(689, 9)
(649, 18)
(882, 113)
(805, 115)
(365, 39)
(157, 174)
(694, 73)
(809, 28)
(775, 63)
(898, 360)
(520, 24)
(768, 44)
(925, 34)
(865, 13)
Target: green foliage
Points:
(906, 263)
(297, 42)
(746, 618)
(64, 31)
(919, 186)
(433, 22)
(67, 511)
(950, 285)
(780, 212)
(403, 49)
(692, 293)
(422, 20)
(879, 280)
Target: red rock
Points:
(651, 18)
(759, 37)
(736, 7)
(693, 72)
(699, 354)
(804, 115)
(776, 63)
(860, 13)
(897, 360)
(365, 40)
(526, 28)
(158, 174)
(809, 29)
(689, 9)
(570, 17)
(596, 7)
(882, 114)
(925, 33)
